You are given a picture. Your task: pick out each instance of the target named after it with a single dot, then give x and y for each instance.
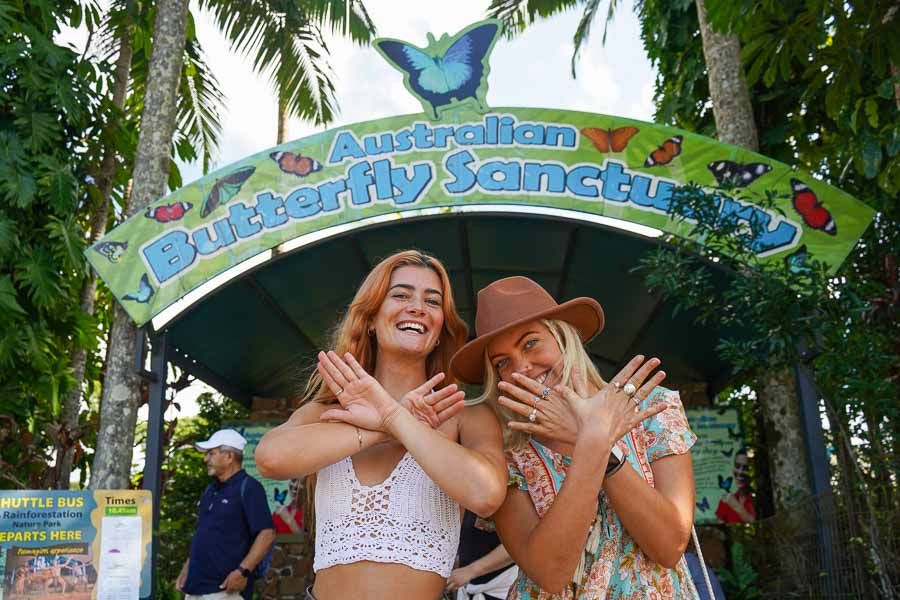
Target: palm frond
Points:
(583, 31)
(519, 14)
(332, 14)
(309, 90)
(200, 103)
(286, 42)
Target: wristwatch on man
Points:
(616, 460)
(245, 572)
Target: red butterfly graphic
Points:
(807, 204)
(295, 164)
(168, 212)
(665, 153)
(606, 140)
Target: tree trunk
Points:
(788, 460)
(99, 217)
(118, 408)
(282, 120)
(732, 109)
(777, 391)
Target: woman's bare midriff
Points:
(376, 581)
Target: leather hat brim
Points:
(585, 314)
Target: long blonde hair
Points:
(351, 335)
(575, 359)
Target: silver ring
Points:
(629, 389)
(535, 400)
(533, 416)
(618, 386)
(340, 392)
(545, 393)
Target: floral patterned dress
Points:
(613, 565)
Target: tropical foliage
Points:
(51, 108)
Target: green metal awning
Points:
(258, 334)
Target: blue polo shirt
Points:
(227, 525)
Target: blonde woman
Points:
(601, 494)
(395, 454)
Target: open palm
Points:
(364, 402)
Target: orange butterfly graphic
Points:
(665, 153)
(606, 140)
(295, 164)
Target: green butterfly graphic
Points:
(224, 189)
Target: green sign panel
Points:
(458, 153)
(285, 498)
(721, 471)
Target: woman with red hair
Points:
(384, 434)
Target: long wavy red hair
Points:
(351, 334)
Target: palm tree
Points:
(118, 409)
(285, 38)
(122, 35)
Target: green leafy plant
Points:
(739, 581)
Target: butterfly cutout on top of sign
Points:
(448, 71)
(461, 152)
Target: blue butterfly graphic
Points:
(438, 78)
(280, 496)
(143, 293)
(725, 483)
(703, 505)
(797, 261)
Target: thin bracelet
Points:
(358, 436)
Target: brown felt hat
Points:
(512, 301)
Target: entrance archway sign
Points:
(459, 155)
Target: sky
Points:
(532, 70)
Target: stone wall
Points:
(290, 573)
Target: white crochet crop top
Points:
(405, 519)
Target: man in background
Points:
(234, 526)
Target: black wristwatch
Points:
(616, 460)
(245, 572)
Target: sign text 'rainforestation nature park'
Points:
(460, 152)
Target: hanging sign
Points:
(721, 472)
(285, 498)
(77, 545)
(461, 153)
